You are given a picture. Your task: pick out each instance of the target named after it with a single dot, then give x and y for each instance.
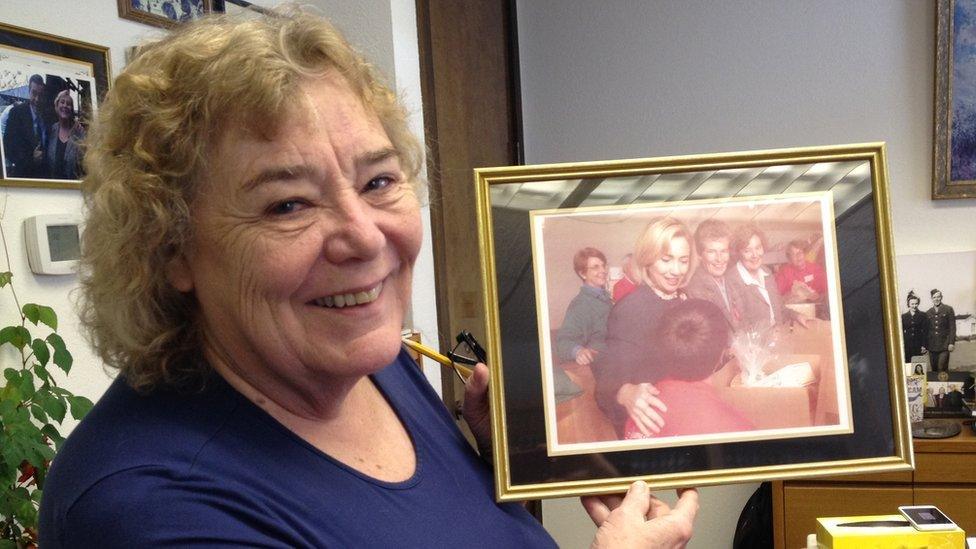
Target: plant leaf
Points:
(47, 316)
(32, 311)
(18, 336)
(63, 360)
(55, 341)
(38, 412)
(51, 432)
(41, 372)
(79, 406)
(53, 405)
(6, 334)
(27, 389)
(5, 278)
(41, 352)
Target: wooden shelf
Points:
(944, 476)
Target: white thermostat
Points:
(53, 243)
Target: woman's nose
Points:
(354, 233)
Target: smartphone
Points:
(926, 517)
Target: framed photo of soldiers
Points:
(688, 320)
(937, 297)
(50, 87)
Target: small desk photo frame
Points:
(835, 400)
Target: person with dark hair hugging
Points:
(690, 339)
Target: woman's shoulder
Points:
(127, 430)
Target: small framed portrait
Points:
(167, 13)
(50, 87)
(691, 320)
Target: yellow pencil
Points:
(432, 354)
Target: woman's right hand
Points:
(642, 520)
(642, 405)
(586, 356)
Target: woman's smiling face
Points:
(304, 243)
(668, 271)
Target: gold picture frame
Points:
(953, 163)
(79, 68)
(166, 13)
(847, 419)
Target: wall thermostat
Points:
(53, 243)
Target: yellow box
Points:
(832, 536)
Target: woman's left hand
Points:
(638, 519)
(476, 411)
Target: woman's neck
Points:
(664, 295)
(290, 401)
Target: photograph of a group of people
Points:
(176, 10)
(45, 102)
(938, 294)
(707, 321)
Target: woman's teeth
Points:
(348, 300)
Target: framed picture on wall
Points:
(50, 87)
(954, 162)
(167, 13)
(691, 320)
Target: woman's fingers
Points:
(597, 508)
(648, 409)
(475, 410)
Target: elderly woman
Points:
(582, 335)
(663, 255)
(64, 137)
(762, 305)
(712, 240)
(253, 226)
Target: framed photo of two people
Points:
(50, 87)
(691, 320)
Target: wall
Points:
(603, 80)
(385, 30)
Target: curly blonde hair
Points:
(148, 149)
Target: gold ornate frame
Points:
(943, 186)
(880, 440)
(50, 46)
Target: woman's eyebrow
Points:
(377, 156)
(278, 173)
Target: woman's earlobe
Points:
(178, 273)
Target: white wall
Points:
(621, 79)
(373, 26)
(98, 23)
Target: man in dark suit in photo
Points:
(26, 133)
(942, 333)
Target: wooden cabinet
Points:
(944, 476)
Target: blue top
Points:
(212, 469)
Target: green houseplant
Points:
(32, 405)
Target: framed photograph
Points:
(954, 162)
(49, 89)
(167, 13)
(937, 292)
(691, 321)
